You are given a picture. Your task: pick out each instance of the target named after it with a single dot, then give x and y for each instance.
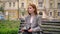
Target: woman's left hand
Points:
(30, 30)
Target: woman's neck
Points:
(32, 15)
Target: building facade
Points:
(14, 9)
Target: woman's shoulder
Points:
(39, 16)
(27, 16)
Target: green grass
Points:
(9, 27)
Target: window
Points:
(50, 13)
(40, 3)
(59, 5)
(22, 4)
(12, 14)
(51, 5)
(58, 13)
(13, 4)
(9, 4)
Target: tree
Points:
(2, 10)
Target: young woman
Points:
(32, 21)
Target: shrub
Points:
(9, 27)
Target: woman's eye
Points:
(29, 8)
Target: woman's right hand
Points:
(22, 30)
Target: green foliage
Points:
(9, 27)
(1, 9)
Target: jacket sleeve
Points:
(38, 28)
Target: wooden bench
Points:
(51, 27)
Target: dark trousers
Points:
(27, 33)
(31, 32)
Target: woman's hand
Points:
(22, 30)
(30, 30)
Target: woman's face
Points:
(30, 9)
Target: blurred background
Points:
(12, 10)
